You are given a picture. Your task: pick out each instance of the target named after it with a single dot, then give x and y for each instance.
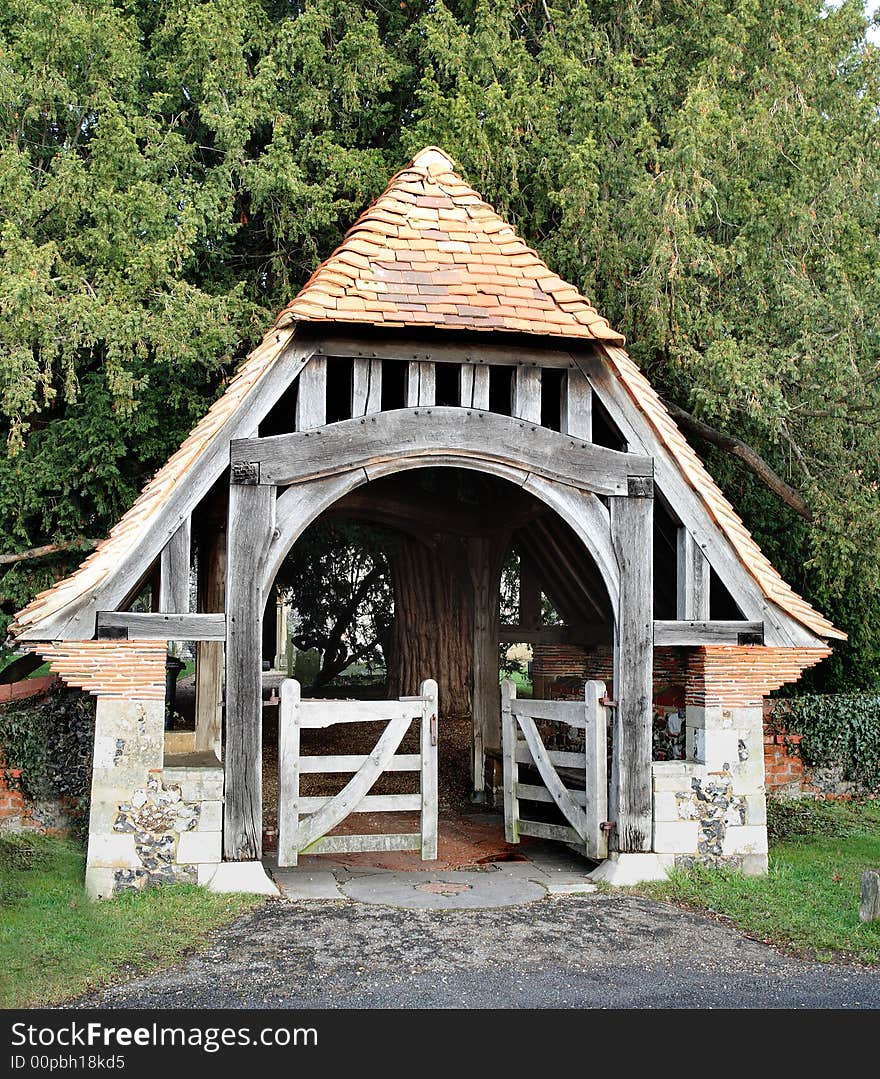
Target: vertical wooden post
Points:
(366, 387)
(596, 778)
(484, 561)
(508, 754)
(288, 772)
(430, 713)
(526, 403)
(475, 386)
(251, 522)
(421, 387)
(632, 521)
(311, 398)
(210, 654)
(576, 406)
(174, 572)
(692, 580)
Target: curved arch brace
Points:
(301, 504)
(441, 431)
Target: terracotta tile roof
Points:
(749, 553)
(431, 252)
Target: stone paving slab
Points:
(475, 890)
(298, 883)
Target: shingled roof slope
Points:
(431, 252)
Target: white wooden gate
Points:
(303, 823)
(575, 781)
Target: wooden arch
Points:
(319, 466)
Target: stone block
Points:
(747, 718)
(720, 749)
(99, 882)
(249, 877)
(675, 837)
(674, 805)
(754, 865)
(211, 819)
(666, 806)
(623, 870)
(112, 851)
(748, 777)
(196, 784)
(745, 839)
(675, 775)
(709, 717)
(198, 847)
(756, 809)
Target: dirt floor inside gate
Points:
(468, 836)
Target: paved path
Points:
(597, 950)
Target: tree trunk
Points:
(432, 634)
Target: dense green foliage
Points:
(171, 172)
(338, 579)
(55, 944)
(837, 729)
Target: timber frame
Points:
(434, 339)
(568, 475)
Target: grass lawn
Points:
(809, 902)
(55, 944)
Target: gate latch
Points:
(434, 730)
(608, 826)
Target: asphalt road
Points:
(593, 951)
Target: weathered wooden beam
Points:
(631, 807)
(160, 627)
(411, 349)
(311, 398)
(438, 431)
(366, 387)
(525, 401)
(484, 562)
(682, 633)
(421, 384)
(210, 655)
(474, 386)
(576, 406)
(692, 579)
(250, 529)
(174, 572)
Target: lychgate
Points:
(436, 378)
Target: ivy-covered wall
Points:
(825, 745)
(46, 746)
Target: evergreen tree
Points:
(171, 172)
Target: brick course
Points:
(126, 669)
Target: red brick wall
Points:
(14, 810)
(735, 676)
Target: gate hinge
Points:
(608, 826)
(607, 702)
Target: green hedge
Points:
(836, 729)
